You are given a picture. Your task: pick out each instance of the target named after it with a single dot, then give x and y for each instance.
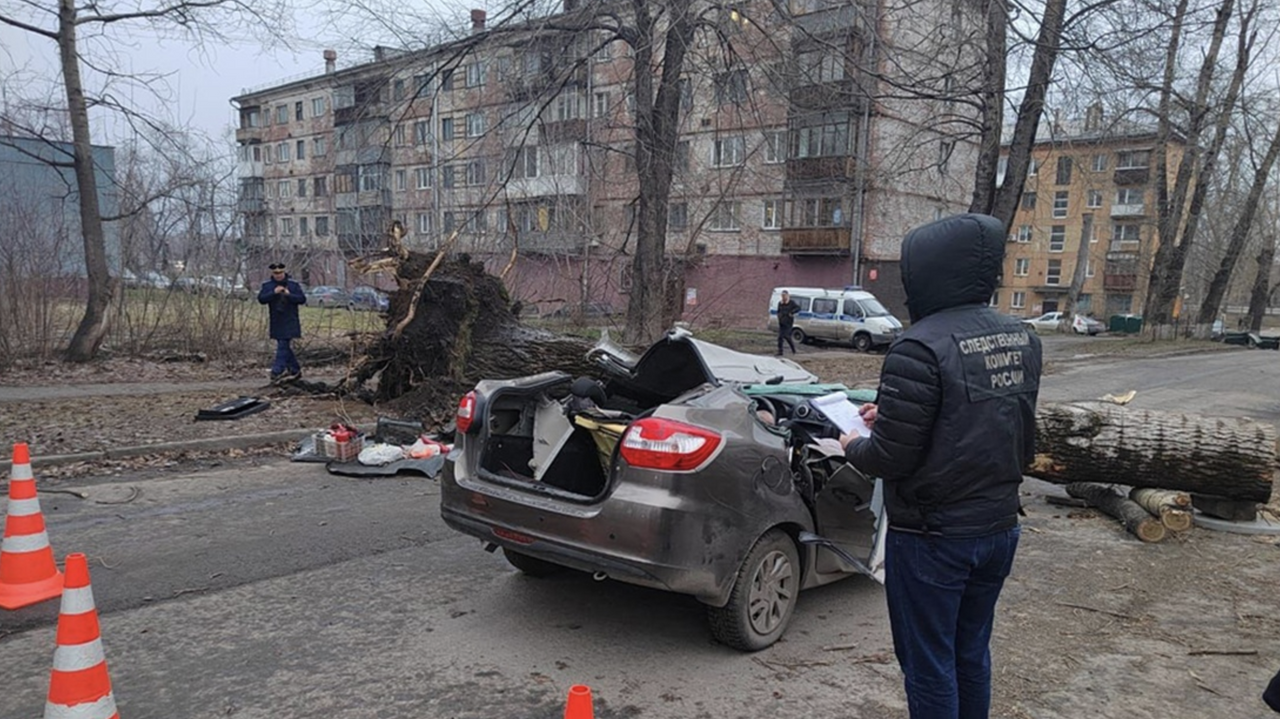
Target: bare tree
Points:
(63, 26)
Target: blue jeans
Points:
(942, 596)
(784, 333)
(285, 359)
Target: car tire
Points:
(798, 336)
(862, 342)
(763, 598)
(531, 566)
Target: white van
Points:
(848, 315)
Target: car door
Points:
(825, 323)
(849, 513)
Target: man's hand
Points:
(869, 414)
(848, 439)
(281, 288)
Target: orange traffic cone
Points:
(579, 704)
(27, 572)
(79, 686)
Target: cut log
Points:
(1173, 508)
(1223, 508)
(1137, 520)
(1233, 458)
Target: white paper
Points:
(837, 408)
(827, 447)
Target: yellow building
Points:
(1094, 189)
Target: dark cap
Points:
(276, 266)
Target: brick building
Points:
(794, 166)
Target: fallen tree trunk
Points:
(1137, 520)
(1173, 508)
(1233, 458)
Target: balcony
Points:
(1138, 210)
(563, 131)
(838, 168)
(557, 242)
(842, 94)
(1119, 283)
(1132, 176)
(247, 205)
(1125, 247)
(547, 186)
(816, 241)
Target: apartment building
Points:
(519, 142)
(1089, 197)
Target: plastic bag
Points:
(376, 455)
(426, 447)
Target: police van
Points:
(838, 315)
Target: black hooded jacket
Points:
(956, 407)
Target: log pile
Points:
(1175, 463)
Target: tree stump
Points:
(1234, 458)
(1137, 520)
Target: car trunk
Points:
(556, 435)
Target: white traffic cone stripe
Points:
(78, 657)
(77, 600)
(104, 708)
(20, 472)
(24, 507)
(20, 543)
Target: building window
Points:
(731, 87)
(1064, 171)
(1060, 200)
(678, 216)
(422, 85)
(318, 108)
(600, 104)
(1133, 160)
(524, 162)
(402, 180)
(420, 133)
(1129, 196)
(772, 217)
(728, 152)
(370, 177)
(681, 162)
(303, 229)
(319, 146)
(282, 114)
(1002, 168)
(568, 106)
(322, 225)
(344, 181)
(724, 218)
(257, 153)
(1088, 268)
(422, 177)
(397, 89)
(475, 124)
(775, 146)
(446, 79)
(1053, 275)
(282, 152)
(475, 74)
(1033, 167)
(945, 149)
(1024, 233)
(1019, 301)
(446, 128)
(1099, 163)
(475, 172)
(828, 140)
(320, 187)
(302, 187)
(1125, 238)
(447, 177)
(424, 223)
(286, 227)
(300, 150)
(398, 135)
(1021, 267)
(297, 115)
(1057, 238)
(284, 189)
(995, 299)
(820, 66)
(1094, 199)
(816, 212)
(1028, 200)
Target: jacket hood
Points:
(951, 262)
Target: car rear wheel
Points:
(797, 336)
(763, 598)
(862, 342)
(531, 566)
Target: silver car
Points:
(693, 468)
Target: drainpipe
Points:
(860, 175)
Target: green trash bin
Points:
(1133, 324)
(1115, 323)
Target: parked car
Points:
(365, 297)
(690, 470)
(186, 284)
(328, 296)
(148, 279)
(846, 315)
(591, 310)
(1047, 322)
(1083, 325)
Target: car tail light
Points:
(655, 443)
(466, 412)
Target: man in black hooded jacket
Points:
(952, 429)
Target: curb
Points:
(212, 444)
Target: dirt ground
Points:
(1093, 623)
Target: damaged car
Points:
(692, 468)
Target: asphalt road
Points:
(280, 591)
